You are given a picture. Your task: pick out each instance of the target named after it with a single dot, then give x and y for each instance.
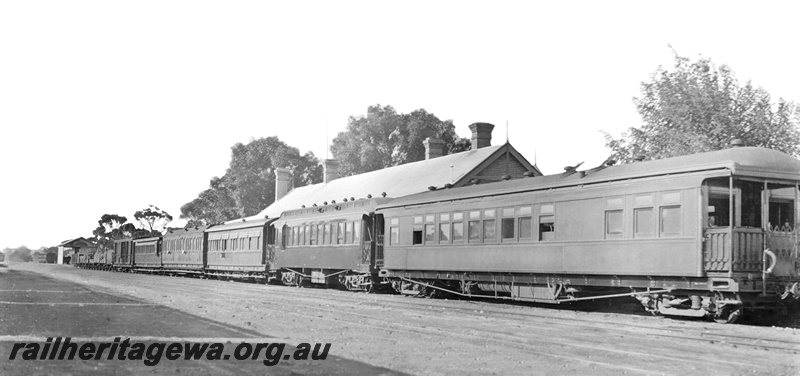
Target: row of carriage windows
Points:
(183, 244)
(516, 224)
(477, 226)
(242, 243)
(645, 222)
(323, 234)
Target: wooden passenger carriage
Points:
(184, 250)
(330, 244)
(147, 254)
(700, 235)
(242, 249)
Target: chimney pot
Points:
(331, 170)
(283, 182)
(434, 147)
(481, 135)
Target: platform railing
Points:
(745, 256)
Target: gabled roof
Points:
(396, 181)
(746, 161)
(77, 242)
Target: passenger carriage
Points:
(332, 244)
(147, 254)
(183, 250)
(708, 234)
(241, 249)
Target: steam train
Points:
(706, 235)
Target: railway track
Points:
(591, 342)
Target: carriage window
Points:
(394, 235)
(781, 215)
(718, 210)
(458, 232)
(547, 227)
(507, 229)
(348, 232)
(429, 218)
(751, 202)
(331, 233)
(444, 233)
(444, 217)
(340, 233)
(525, 224)
(417, 237)
(430, 231)
(474, 231)
(357, 232)
(313, 234)
(508, 224)
(489, 230)
(326, 230)
(643, 223)
(418, 220)
(613, 224)
(670, 221)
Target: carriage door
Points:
(781, 226)
(367, 245)
(379, 228)
(269, 244)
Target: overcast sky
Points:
(108, 106)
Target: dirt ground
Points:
(446, 337)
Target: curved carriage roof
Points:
(744, 161)
(185, 231)
(240, 224)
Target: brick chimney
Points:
(434, 147)
(283, 182)
(331, 170)
(481, 135)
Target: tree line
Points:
(381, 138)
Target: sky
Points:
(110, 106)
